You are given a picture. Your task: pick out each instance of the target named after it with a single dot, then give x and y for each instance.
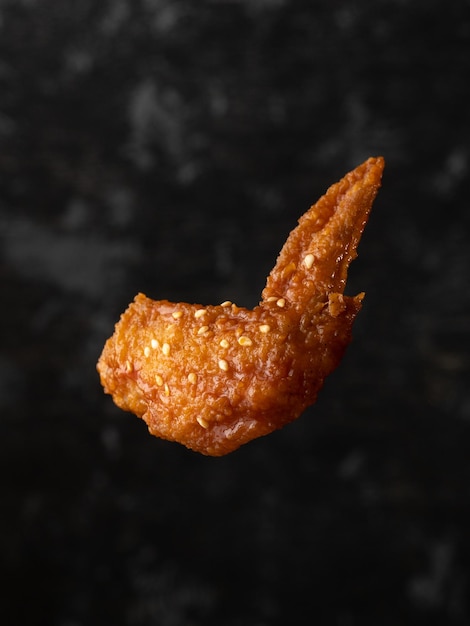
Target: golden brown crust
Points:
(216, 377)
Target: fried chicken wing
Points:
(216, 377)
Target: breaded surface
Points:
(216, 377)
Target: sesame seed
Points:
(146, 351)
(308, 261)
(203, 330)
(223, 365)
(223, 343)
(192, 378)
(265, 328)
(129, 366)
(199, 313)
(226, 303)
(167, 389)
(154, 343)
(272, 299)
(244, 341)
(177, 314)
(158, 380)
(166, 349)
(281, 303)
(202, 422)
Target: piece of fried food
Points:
(216, 377)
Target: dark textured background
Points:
(169, 146)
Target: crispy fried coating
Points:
(216, 377)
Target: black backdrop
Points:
(169, 146)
